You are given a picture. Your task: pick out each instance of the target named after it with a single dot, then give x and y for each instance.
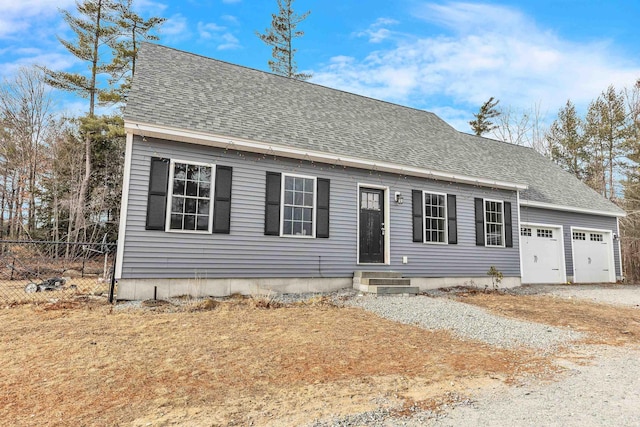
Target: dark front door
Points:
(371, 225)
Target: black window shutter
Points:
(479, 204)
(322, 216)
(272, 205)
(452, 220)
(222, 200)
(157, 196)
(508, 227)
(418, 225)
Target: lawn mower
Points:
(51, 284)
(40, 285)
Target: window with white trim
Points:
(596, 237)
(544, 233)
(190, 199)
(494, 223)
(435, 217)
(525, 231)
(578, 235)
(298, 205)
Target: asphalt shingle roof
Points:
(191, 92)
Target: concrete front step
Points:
(377, 274)
(383, 283)
(389, 282)
(394, 290)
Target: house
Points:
(237, 179)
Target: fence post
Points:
(113, 276)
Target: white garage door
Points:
(542, 254)
(592, 256)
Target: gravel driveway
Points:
(605, 392)
(628, 295)
(466, 321)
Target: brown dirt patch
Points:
(605, 324)
(234, 364)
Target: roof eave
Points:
(551, 206)
(220, 141)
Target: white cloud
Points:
(225, 40)
(231, 1)
(207, 30)
(230, 19)
(149, 6)
(376, 31)
(32, 7)
(9, 26)
(51, 60)
(175, 28)
(489, 51)
(229, 42)
(18, 16)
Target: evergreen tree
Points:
(567, 141)
(131, 30)
(92, 31)
(280, 37)
(607, 130)
(482, 123)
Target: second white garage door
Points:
(592, 256)
(542, 254)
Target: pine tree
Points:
(483, 124)
(280, 37)
(567, 141)
(92, 31)
(607, 130)
(131, 30)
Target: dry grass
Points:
(79, 363)
(605, 324)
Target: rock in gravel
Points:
(466, 321)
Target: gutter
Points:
(220, 141)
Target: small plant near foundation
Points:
(496, 277)
(264, 298)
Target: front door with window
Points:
(371, 226)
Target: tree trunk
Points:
(79, 217)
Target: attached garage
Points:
(593, 260)
(541, 249)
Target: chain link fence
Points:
(39, 271)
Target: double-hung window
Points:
(435, 217)
(190, 197)
(494, 222)
(298, 205)
(182, 197)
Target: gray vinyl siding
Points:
(247, 252)
(572, 219)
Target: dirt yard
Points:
(237, 363)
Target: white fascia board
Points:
(219, 141)
(555, 207)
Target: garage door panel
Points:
(592, 256)
(541, 252)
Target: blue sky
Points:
(442, 56)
